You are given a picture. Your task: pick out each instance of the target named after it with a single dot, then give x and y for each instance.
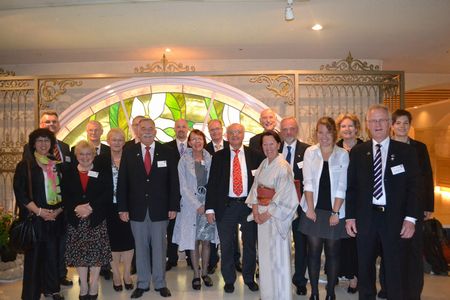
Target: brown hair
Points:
(329, 123)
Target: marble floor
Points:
(179, 282)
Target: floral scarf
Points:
(52, 188)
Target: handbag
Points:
(22, 234)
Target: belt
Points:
(379, 208)
(240, 199)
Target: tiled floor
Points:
(179, 282)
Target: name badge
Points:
(68, 159)
(300, 164)
(202, 162)
(93, 174)
(398, 169)
(162, 164)
(254, 172)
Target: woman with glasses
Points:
(192, 231)
(37, 191)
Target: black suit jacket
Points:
(401, 189)
(98, 193)
(219, 178)
(255, 143)
(158, 193)
(210, 147)
(426, 173)
(129, 143)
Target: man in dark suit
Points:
(382, 204)
(217, 143)
(94, 131)
(293, 150)
(230, 179)
(134, 129)
(268, 120)
(179, 145)
(148, 196)
(61, 152)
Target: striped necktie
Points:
(377, 174)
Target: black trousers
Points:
(236, 213)
(40, 270)
(300, 257)
(214, 254)
(414, 265)
(393, 248)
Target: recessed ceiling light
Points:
(317, 27)
(168, 50)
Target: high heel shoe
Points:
(128, 286)
(117, 288)
(93, 297)
(196, 284)
(84, 297)
(352, 290)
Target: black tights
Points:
(315, 246)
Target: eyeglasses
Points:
(379, 121)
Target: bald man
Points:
(268, 120)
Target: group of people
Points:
(103, 205)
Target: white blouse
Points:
(312, 170)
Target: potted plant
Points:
(7, 254)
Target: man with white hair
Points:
(268, 120)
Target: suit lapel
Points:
(139, 158)
(227, 165)
(249, 166)
(369, 162)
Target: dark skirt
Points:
(87, 246)
(119, 232)
(321, 228)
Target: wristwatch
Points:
(334, 213)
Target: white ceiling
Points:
(410, 35)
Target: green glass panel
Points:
(170, 131)
(196, 111)
(181, 104)
(219, 109)
(212, 112)
(114, 115)
(174, 107)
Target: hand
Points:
(311, 214)
(201, 210)
(124, 216)
(427, 214)
(408, 229)
(264, 217)
(334, 220)
(256, 216)
(83, 210)
(172, 215)
(211, 218)
(350, 226)
(47, 214)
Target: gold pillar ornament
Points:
(50, 90)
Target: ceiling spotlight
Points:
(168, 50)
(317, 27)
(289, 11)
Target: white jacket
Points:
(312, 169)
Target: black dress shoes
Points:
(382, 294)
(253, 286)
(211, 269)
(164, 292)
(170, 265)
(238, 267)
(138, 292)
(330, 297)
(314, 297)
(352, 290)
(65, 282)
(301, 290)
(228, 288)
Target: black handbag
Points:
(22, 234)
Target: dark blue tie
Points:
(377, 174)
(288, 155)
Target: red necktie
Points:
(237, 175)
(147, 160)
(56, 153)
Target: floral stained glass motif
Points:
(165, 109)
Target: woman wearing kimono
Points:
(273, 200)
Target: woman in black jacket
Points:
(87, 192)
(37, 191)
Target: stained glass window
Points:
(165, 108)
